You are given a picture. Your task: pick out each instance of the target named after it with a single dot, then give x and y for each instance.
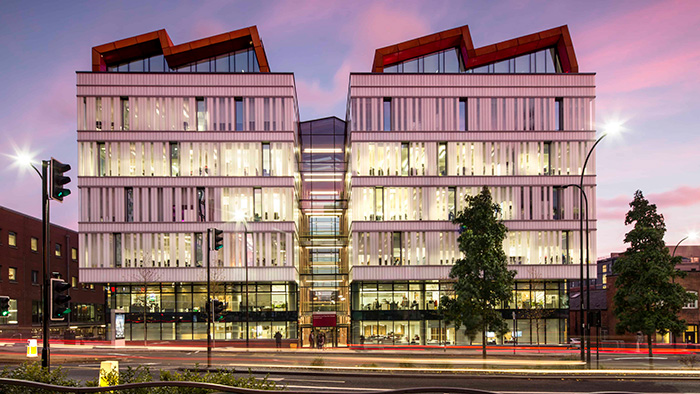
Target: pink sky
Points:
(645, 54)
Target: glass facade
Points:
(243, 61)
(407, 313)
(450, 61)
(545, 61)
(177, 311)
(447, 61)
(324, 293)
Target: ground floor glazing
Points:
(381, 313)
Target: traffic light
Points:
(4, 306)
(60, 302)
(219, 308)
(58, 180)
(217, 241)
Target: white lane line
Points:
(335, 388)
(313, 380)
(639, 358)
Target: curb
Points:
(476, 373)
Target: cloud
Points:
(615, 208)
(645, 58)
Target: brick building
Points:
(603, 290)
(21, 246)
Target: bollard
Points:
(31, 348)
(109, 373)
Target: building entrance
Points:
(691, 334)
(334, 336)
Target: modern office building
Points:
(174, 140)
(436, 120)
(347, 224)
(21, 277)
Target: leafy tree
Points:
(482, 276)
(647, 299)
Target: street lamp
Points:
(581, 311)
(692, 236)
(239, 218)
(24, 160)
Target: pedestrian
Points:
(321, 340)
(278, 340)
(312, 339)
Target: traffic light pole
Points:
(210, 308)
(45, 355)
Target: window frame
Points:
(12, 274)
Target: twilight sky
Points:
(645, 53)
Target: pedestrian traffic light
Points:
(58, 180)
(4, 306)
(217, 241)
(219, 308)
(60, 302)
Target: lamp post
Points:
(588, 271)
(691, 235)
(209, 309)
(581, 311)
(240, 218)
(25, 160)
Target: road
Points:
(400, 369)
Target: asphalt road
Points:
(83, 364)
(348, 358)
(371, 382)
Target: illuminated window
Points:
(692, 304)
(12, 239)
(442, 159)
(34, 244)
(201, 114)
(57, 250)
(124, 105)
(74, 254)
(12, 274)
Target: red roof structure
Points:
(460, 37)
(158, 42)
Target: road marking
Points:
(336, 388)
(639, 358)
(312, 380)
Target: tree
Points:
(483, 280)
(647, 299)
